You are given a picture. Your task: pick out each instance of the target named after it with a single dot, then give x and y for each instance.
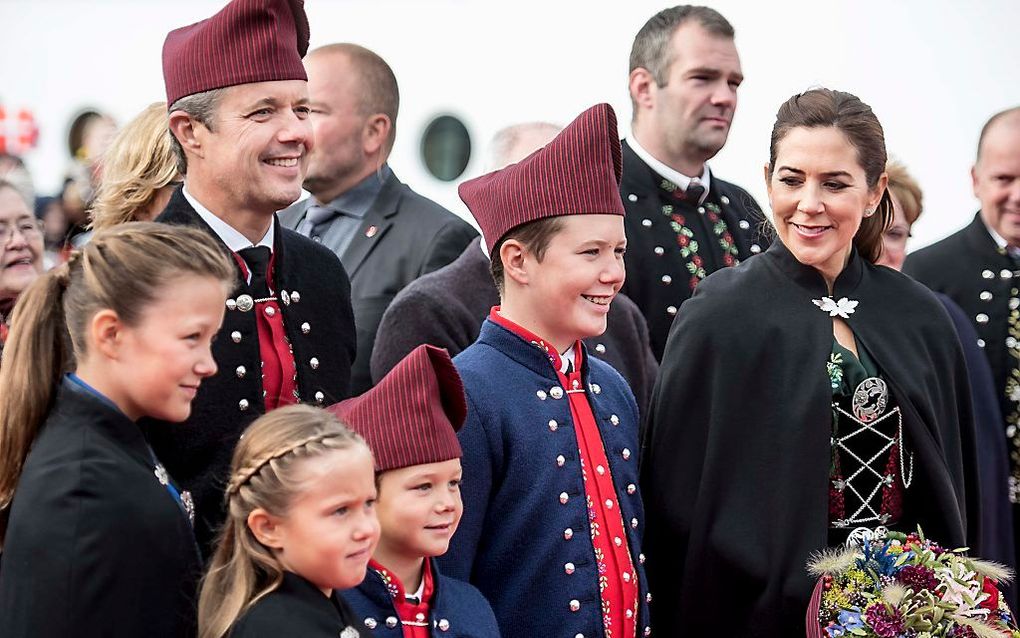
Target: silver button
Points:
(245, 303)
(647, 223)
(556, 392)
(444, 624)
(631, 488)
(560, 461)
(641, 559)
(626, 579)
(575, 605)
(235, 336)
(240, 372)
(420, 617)
(541, 395)
(270, 311)
(630, 612)
(371, 623)
(701, 209)
(981, 343)
(985, 295)
(648, 597)
(615, 420)
(1014, 303)
(391, 622)
(305, 328)
(314, 363)
(596, 388)
(600, 469)
(553, 425)
(1011, 431)
(319, 397)
(295, 296)
(981, 318)
(666, 279)
(285, 297)
(231, 304)
(242, 405)
(317, 239)
(659, 250)
(626, 453)
(633, 523)
(578, 635)
(609, 503)
(724, 199)
(569, 568)
(671, 310)
(1011, 342)
(1006, 273)
(755, 248)
(618, 541)
(632, 197)
(648, 631)
(600, 348)
(564, 497)
(568, 534)
(743, 223)
(987, 274)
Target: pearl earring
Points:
(868, 212)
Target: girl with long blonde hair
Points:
(97, 539)
(301, 524)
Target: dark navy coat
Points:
(458, 609)
(525, 516)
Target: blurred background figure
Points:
(996, 530)
(21, 250)
(50, 212)
(15, 173)
(139, 171)
(90, 134)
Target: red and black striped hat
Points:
(577, 173)
(411, 417)
(247, 41)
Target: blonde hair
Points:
(138, 163)
(122, 269)
(263, 475)
(905, 189)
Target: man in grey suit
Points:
(385, 234)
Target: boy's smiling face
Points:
(419, 508)
(565, 296)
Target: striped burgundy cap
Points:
(411, 417)
(247, 41)
(577, 173)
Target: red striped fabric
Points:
(411, 417)
(577, 173)
(247, 41)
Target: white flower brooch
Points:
(842, 308)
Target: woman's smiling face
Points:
(819, 193)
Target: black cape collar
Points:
(811, 280)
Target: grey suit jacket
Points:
(402, 237)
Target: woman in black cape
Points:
(802, 394)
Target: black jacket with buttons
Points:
(320, 325)
(298, 609)
(657, 276)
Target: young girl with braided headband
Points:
(300, 524)
(96, 538)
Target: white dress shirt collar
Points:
(673, 175)
(229, 235)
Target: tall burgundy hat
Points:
(247, 41)
(577, 173)
(412, 416)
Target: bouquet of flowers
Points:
(885, 584)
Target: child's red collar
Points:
(535, 340)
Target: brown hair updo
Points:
(820, 108)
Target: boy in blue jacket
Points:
(410, 420)
(552, 524)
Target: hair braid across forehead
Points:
(245, 474)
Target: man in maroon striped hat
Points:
(552, 524)
(238, 112)
(410, 420)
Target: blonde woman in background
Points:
(139, 171)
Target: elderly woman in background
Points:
(996, 529)
(139, 171)
(21, 251)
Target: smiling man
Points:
(683, 222)
(979, 268)
(239, 116)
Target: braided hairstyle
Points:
(123, 269)
(264, 475)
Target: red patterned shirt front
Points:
(618, 582)
(414, 617)
(279, 372)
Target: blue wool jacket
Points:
(525, 517)
(458, 609)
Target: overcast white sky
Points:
(933, 70)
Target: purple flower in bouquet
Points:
(884, 621)
(918, 578)
(850, 620)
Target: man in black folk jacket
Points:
(242, 137)
(979, 268)
(683, 222)
(385, 234)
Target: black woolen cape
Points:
(736, 453)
